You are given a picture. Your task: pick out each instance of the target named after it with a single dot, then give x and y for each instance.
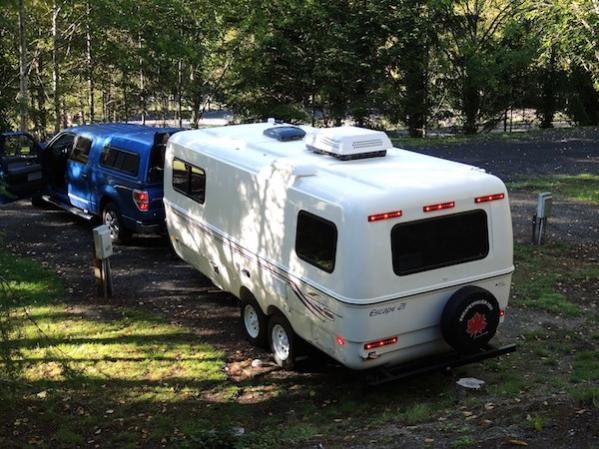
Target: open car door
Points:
(20, 168)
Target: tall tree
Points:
(23, 70)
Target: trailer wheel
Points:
(111, 217)
(253, 322)
(282, 341)
(470, 319)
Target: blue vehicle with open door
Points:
(20, 168)
(111, 171)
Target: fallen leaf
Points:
(517, 442)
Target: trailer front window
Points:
(189, 180)
(439, 242)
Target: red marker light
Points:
(501, 313)
(434, 207)
(340, 340)
(486, 198)
(380, 343)
(385, 216)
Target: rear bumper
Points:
(440, 362)
(153, 223)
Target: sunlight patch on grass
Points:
(582, 187)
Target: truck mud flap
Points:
(442, 362)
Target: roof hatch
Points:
(348, 142)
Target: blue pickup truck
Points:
(111, 171)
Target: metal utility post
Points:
(539, 220)
(102, 253)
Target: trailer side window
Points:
(189, 180)
(316, 241)
(439, 242)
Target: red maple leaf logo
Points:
(476, 325)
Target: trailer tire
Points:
(254, 323)
(111, 217)
(470, 319)
(282, 341)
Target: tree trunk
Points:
(90, 64)
(23, 78)
(179, 93)
(56, 66)
(125, 97)
(142, 93)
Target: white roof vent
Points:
(348, 142)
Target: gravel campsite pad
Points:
(148, 275)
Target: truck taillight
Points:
(380, 343)
(486, 198)
(141, 200)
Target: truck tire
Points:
(470, 319)
(111, 217)
(254, 323)
(282, 341)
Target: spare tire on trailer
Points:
(470, 319)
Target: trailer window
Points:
(120, 160)
(189, 180)
(316, 241)
(439, 242)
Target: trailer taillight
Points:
(385, 215)
(340, 340)
(486, 198)
(501, 313)
(380, 343)
(434, 207)
(141, 200)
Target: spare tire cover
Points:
(470, 319)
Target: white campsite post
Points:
(539, 221)
(102, 253)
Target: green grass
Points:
(582, 187)
(122, 377)
(543, 272)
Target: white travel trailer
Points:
(373, 254)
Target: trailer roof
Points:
(405, 172)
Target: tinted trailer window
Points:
(439, 242)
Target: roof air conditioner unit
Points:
(348, 142)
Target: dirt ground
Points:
(147, 274)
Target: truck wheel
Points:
(470, 319)
(282, 341)
(111, 217)
(253, 322)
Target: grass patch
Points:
(586, 396)
(542, 275)
(582, 187)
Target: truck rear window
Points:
(439, 242)
(316, 241)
